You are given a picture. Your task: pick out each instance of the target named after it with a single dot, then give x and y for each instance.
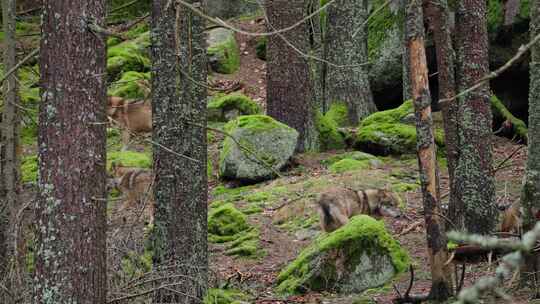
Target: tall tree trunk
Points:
(179, 113)
(474, 209)
(9, 141)
(405, 56)
(70, 211)
(441, 283)
(290, 86)
(438, 17)
(530, 196)
(349, 85)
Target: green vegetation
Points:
(347, 164)
(339, 113)
(356, 155)
(362, 234)
(128, 87)
(29, 169)
(225, 56)
(219, 107)
(260, 47)
(329, 136)
(129, 159)
(131, 55)
(498, 109)
(225, 296)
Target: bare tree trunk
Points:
(9, 141)
(438, 15)
(405, 57)
(349, 85)
(441, 286)
(474, 209)
(290, 87)
(70, 211)
(530, 195)
(179, 114)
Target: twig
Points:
(500, 165)
(18, 65)
(133, 23)
(521, 51)
(95, 28)
(410, 228)
(122, 7)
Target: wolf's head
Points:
(388, 203)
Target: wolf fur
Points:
(136, 186)
(338, 204)
(133, 117)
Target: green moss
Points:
(385, 133)
(217, 107)
(127, 56)
(254, 123)
(356, 155)
(363, 230)
(498, 109)
(129, 159)
(225, 222)
(112, 41)
(329, 136)
(260, 47)
(247, 245)
(363, 233)
(339, 113)
(225, 193)
(29, 169)
(135, 265)
(347, 164)
(227, 55)
(225, 296)
(404, 187)
(495, 15)
(127, 86)
(380, 25)
(138, 30)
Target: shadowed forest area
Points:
(269, 151)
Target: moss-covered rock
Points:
(223, 51)
(128, 85)
(339, 113)
(356, 257)
(391, 132)
(260, 47)
(131, 55)
(225, 296)
(228, 107)
(329, 136)
(356, 155)
(271, 142)
(348, 164)
(225, 222)
(129, 159)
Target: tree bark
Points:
(438, 18)
(290, 85)
(530, 195)
(441, 283)
(9, 140)
(349, 85)
(70, 211)
(405, 56)
(179, 111)
(474, 209)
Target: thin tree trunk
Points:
(438, 15)
(349, 85)
(290, 87)
(70, 212)
(474, 209)
(179, 109)
(441, 286)
(9, 143)
(405, 56)
(530, 195)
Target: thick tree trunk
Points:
(530, 196)
(474, 209)
(179, 113)
(441, 287)
(70, 211)
(9, 141)
(290, 86)
(349, 85)
(438, 16)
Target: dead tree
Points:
(441, 287)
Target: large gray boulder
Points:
(223, 51)
(352, 259)
(270, 140)
(226, 9)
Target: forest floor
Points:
(287, 221)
